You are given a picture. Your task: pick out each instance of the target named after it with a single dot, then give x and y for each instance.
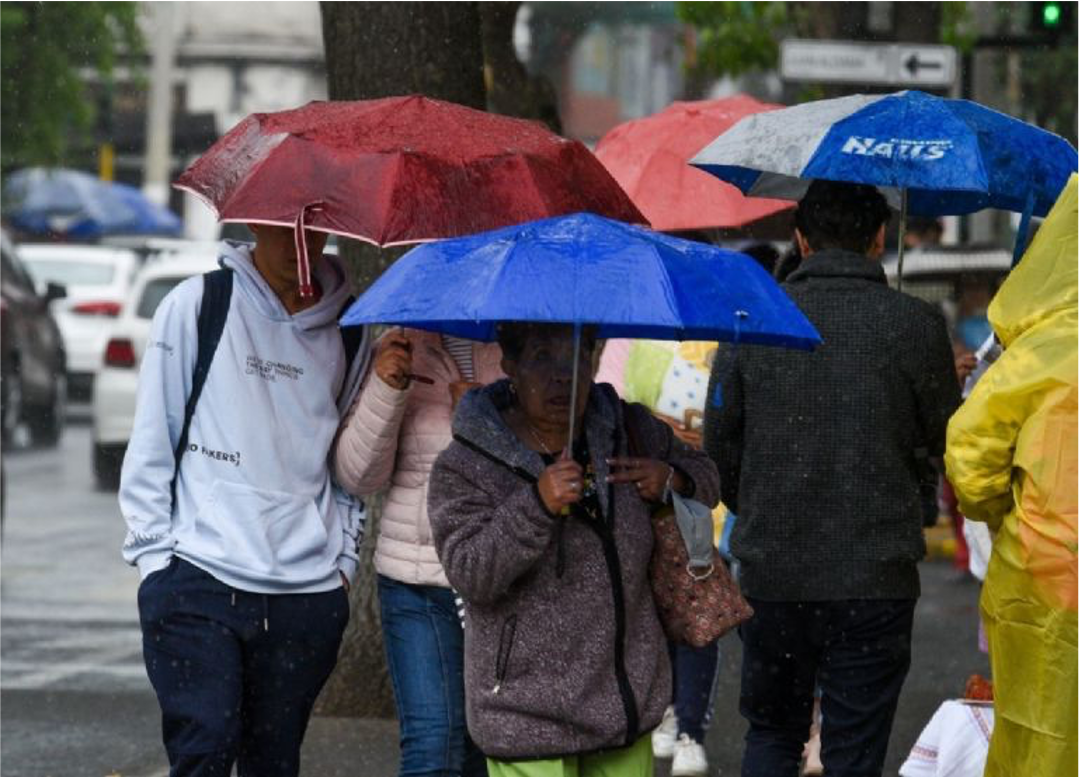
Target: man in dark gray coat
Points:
(817, 454)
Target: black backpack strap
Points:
(216, 297)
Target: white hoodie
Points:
(255, 503)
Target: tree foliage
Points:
(50, 53)
(734, 37)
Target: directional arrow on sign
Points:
(913, 65)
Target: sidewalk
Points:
(350, 747)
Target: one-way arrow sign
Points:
(843, 61)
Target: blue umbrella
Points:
(584, 269)
(939, 156)
(78, 205)
(150, 218)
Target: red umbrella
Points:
(650, 156)
(399, 170)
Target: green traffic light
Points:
(1051, 14)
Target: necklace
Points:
(536, 437)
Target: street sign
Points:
(852, 62)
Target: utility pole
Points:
(156, 168)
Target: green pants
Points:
(632, 761)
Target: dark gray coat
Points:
(816, 451)
(555, 664)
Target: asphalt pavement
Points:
(75, 701)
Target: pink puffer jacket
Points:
(391, 438)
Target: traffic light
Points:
(1051, 18)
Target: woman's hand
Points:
(649, 475)
(560, 485)
(393, 360)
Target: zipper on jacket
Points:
(505, 646)
(605, 531)
(560, 547)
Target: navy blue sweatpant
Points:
(236, 673)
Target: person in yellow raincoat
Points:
(1011, 456)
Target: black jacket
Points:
(816, 451)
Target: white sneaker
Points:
(690, 760)
(665, 735)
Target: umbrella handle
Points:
(303, 259)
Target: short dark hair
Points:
(765, 254)
(513, 335)
(841, 215)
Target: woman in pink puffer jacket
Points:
(390, 438)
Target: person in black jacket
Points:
(817, 456)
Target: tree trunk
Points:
(381, 50)
(385, 49)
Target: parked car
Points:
(116, 385)
(97, 279)
(33, 365)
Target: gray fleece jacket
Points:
(564, 653)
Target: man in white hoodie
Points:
(246, 559)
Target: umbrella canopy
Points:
(648, 158)
(949, 156)
(399, 170)
(77, 205)
(585, 269)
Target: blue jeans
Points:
(425, 652)
(235, 673)
(858, 651)
(695, 673)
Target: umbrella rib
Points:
(252, 173)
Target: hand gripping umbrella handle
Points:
(303, 259)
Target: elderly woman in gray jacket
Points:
(565, 659)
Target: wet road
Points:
(76, 700)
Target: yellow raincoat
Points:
(1011, 456)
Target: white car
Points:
(97, 279)
(113, 409)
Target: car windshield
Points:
(152, 295)
(70, 273)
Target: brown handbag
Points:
(696, 605)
